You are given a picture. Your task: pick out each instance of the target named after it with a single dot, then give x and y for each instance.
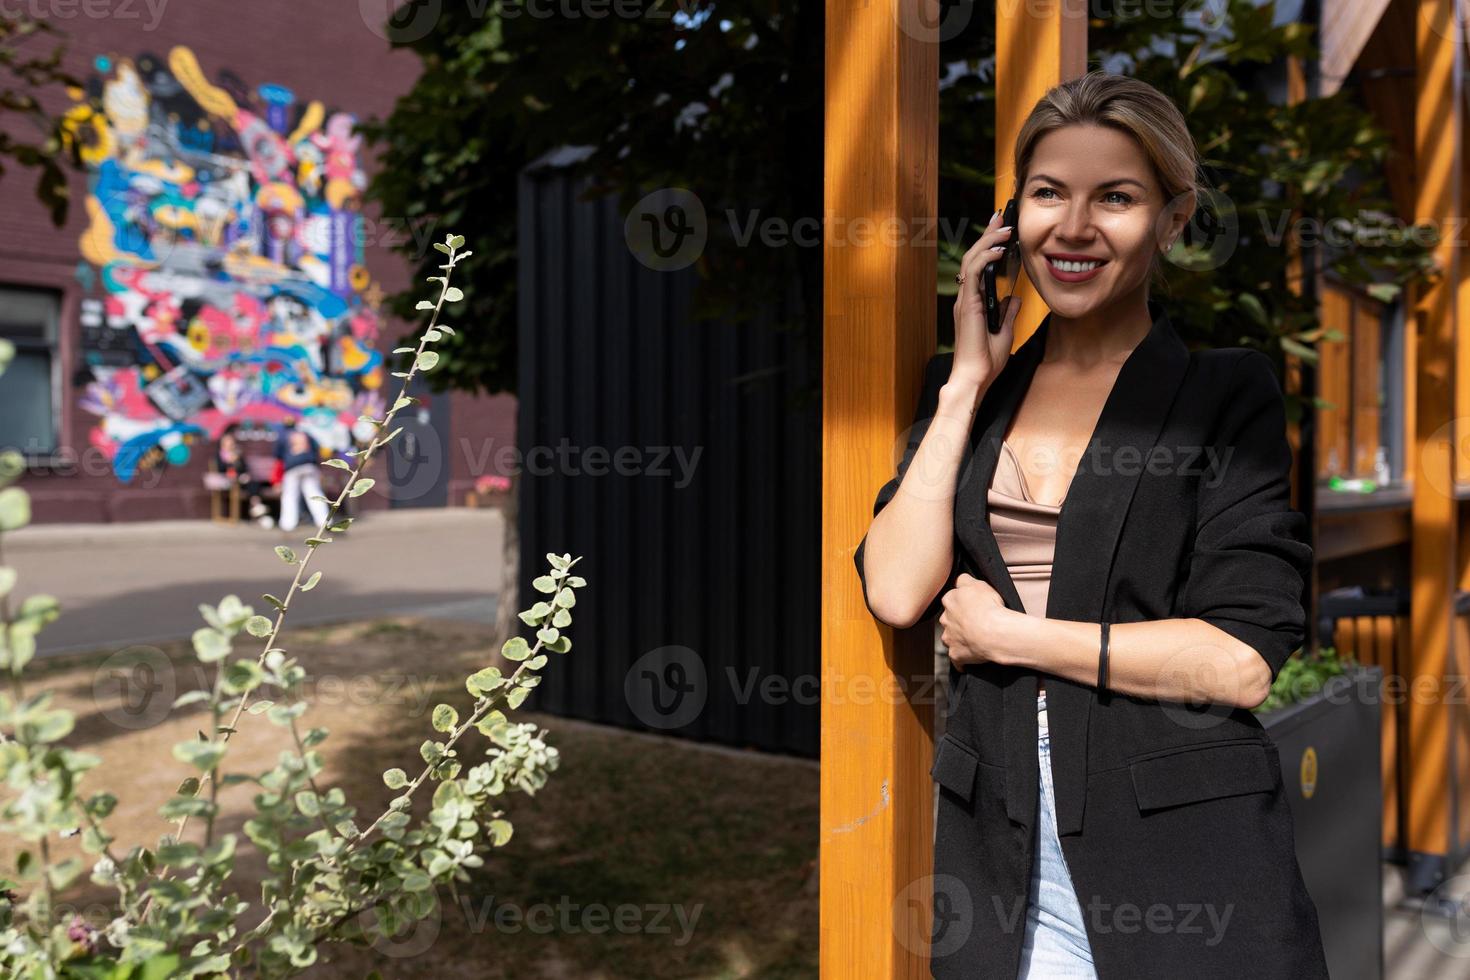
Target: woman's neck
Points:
(1106, 334)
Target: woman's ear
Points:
(1177, 212)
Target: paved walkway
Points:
(142, 582)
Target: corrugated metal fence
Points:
(694, 498)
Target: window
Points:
(28, 416)
(1360, 380)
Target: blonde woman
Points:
(1102, 524)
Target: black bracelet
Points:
(1102, 660)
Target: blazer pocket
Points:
(954, 767)
(1202, 772)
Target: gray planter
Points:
(1329, 746)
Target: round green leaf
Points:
(210, 644)
(15, 508)
(445, 718)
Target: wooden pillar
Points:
(1460, 648)
(882, 134)
(1037, 46)
(882, 77)
(1433, 512)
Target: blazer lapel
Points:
(1088, 529)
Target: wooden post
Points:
(1433, 511)
(882, 113)
(881, 149)
(1037, 46)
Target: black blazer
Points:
(1172, 817)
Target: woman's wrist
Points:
(1011, 636)
(960, 398)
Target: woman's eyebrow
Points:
(1107, 183)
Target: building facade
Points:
(219, 270)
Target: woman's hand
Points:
(979, 354)
(972, 619)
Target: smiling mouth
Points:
(1070, 265)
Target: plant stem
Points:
(482, 707)
(363, 459)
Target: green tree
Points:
(727, 102)
(25, 73)
(1316, 166)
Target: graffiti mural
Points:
(222, 264)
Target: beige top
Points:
(1025, 530)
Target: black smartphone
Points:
(1007, 268)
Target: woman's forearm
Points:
(1185, 660)
(910, 544)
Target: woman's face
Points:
(1091, 197)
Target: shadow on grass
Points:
(642, 858)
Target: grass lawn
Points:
(644, 857)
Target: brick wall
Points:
(322, 53)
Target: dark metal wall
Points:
(701, 614)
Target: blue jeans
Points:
(1056, 940)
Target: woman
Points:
(300, 457)
(230, 459)
(1102, 523)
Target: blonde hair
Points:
(1128, 105)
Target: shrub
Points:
(1303, 676)
(326, 868)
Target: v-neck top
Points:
(1026, 532)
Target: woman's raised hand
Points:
(979, 354)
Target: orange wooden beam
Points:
(1037, 46)
(1433, 512)
(882, 136)
(881, 165)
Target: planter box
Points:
(1329, 746)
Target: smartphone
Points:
(1007, 269)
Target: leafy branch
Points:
(175, 915)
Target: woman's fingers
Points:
(983, 251)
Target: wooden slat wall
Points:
(1460, 746)
(1381, 641)
(1350, 377)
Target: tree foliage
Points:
(727, 101)
(26, 71)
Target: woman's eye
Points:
(1040, 191)
(1126, 198)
